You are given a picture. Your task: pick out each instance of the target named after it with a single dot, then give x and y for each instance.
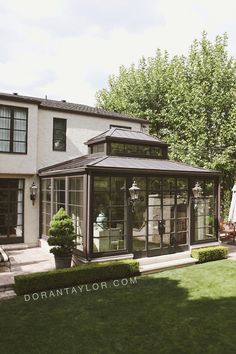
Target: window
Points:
(136, 150)
(64, 193)
(13, 130)
(119, 126)
(59, 134)
(97, 148)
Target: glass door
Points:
(11, 210)
(160, 218)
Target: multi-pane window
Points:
(13, 130)
(136, 150)
(59, 194)
(56, 193)
(59, 134)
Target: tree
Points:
(190, 102)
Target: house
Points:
(126, 198)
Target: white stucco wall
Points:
(31, 212)
(19, 163)
(80, 128)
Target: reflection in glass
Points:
(109, 214)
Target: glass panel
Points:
(19, 135)
(154, 184)
(5, 123)
(144, 150)
(59, 184)
(15, 231)
(101, 183)
(5, 112)
(3, 231)
(117, 148)
(76, 183)
(181, 238)
(5, 134)
(131, 149)
(76, 198)
(169, 199)
(4, 146)
(168, 184)
(154, 213)
(46, 184)
(20, 114)
(19, 147)
(182, 183)
(139, 243)
(155, 151)
(154, 241)
(182, 197)
(19, 124)
(154, 199)
(181, 225)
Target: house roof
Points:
(124, 164)
(126, 135)
(64, 106)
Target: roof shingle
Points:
(64, 106)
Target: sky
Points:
(66, 49)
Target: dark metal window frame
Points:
(55, 119)
(12, 141)
(149, 252)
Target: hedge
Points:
(82, 274)
(210, 253)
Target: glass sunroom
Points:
(175, 207)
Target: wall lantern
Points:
(197, 191)
(134, 194)
(33, 192)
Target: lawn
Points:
(189, 310)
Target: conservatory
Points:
(126, 198)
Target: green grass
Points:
(189, 310)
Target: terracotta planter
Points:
(63, 262)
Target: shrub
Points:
(210, 253)
(62, 234)
(83, 274)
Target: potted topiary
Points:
(62, 236)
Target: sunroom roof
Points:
(125, 135)
(124, 164)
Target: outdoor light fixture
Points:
(197, 191)
(33, 192)
(134, 194)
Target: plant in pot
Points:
(62, 236)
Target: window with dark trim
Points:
(136, 150)
(13, 130)
(59, 134)
(119, 126)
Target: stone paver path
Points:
(24, 261)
